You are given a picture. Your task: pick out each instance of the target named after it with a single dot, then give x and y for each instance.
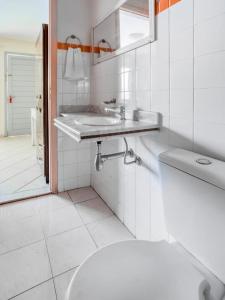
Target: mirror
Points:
(130, 26)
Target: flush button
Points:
(204, 161)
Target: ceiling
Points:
(22, 19)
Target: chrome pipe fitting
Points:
(100, 158)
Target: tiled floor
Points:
(20, 173)
(43, 241)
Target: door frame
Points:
(53, 144)
(5, 102)
(45, 67)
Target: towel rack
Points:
(104, 41)
(74, 37)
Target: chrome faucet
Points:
(119, 110)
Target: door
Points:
(42, 100)
(20, 93)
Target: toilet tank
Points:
(194, 204)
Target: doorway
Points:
(24, 149)
(24, 38)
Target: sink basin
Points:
(98, 121)
(90, 126)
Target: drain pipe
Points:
(100, 158)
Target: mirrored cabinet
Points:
(129, 26)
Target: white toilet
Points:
(193, 267)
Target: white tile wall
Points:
(209, 93)
(181, 75)
(73, 159)
(70, 92)
(206, 9)
(74, 163)
(143, 82)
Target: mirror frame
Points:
(151, 38)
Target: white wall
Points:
(73, 17)
(101, 8)
(181, 75)
(16, 46)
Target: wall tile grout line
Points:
(193, 117)
(210, 53)
(208, 19)
(169, 57)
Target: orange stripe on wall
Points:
(84, 48)
(172, 2)
(162, 5)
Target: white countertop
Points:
(148, 122)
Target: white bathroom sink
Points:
(90, 126)
(98, 121)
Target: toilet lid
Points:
(133, 270)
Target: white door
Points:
(20, 93)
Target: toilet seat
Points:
(132, 270)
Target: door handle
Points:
(10, 99)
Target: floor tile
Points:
(18, 210)
(84, 194)
(20, 232)
(54, 201)
(45, 291)
(34, 185)
(3, 249)
(19, 167)
(62, 283)
(18, 181)
(23, 269)
(60, 220)
(24, 194)
(109, 231)
(93, 210)
(68, 250)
